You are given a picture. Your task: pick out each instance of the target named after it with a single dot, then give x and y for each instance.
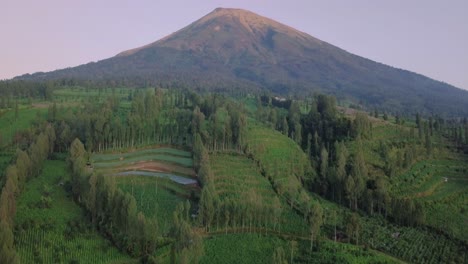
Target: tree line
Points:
(27, 164)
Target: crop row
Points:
(142, 152)
(186, 162)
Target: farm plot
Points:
(156, 197)
(79, 93)
(165, 160)
(254, 248)
(238, 179)
(442, 187)
(282, 160)
(249, 248)
(158, 178)
(11, 125)
(51, 228)
(413, 244)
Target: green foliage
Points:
(244, 199)
(281, 159)
(425, 182)
(59, 233)
(155, 197)
(245, 248)
(11, 126)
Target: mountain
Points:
(231, 49)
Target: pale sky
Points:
(428, 37)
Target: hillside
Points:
(237, 49)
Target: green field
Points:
(254, 248)
(142, 152)
(236, 175)
(238, 179)
(173, 156)
(10, 125)
(155, 197)
(426, 182)
(284, 163)
(241, 248)
(79, 93)
(57, 232)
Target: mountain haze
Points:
(237, 49)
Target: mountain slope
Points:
(235, 49)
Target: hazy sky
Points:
(427, 37)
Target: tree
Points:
(294, 248)
(207, 207)
(279, 256)
(353, 227)
(315, 221)
(323, 163)
(341, 156)
(285, 127)
(277, 210)
(359, 173)
(188, 243)
(7, 250)
(16, 110)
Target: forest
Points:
(171, 175)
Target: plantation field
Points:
(255, 248)
(79, 93)
(330, 252)
(10, 125)
(51, 228)
(238, 179)
(442, 187)
(281, 158)
(241, 248)
(155, 197)
(236, 176)
(415, 245)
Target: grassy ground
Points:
(59, 233)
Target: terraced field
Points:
(159, 178)
(162, 162)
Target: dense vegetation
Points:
(169, 176)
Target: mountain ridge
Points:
(237, 48)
